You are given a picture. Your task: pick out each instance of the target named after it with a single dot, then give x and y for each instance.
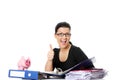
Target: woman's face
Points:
(63, 36)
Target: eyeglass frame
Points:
(62, 34)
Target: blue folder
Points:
(24, 74)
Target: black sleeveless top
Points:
(75, 56)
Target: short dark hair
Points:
(62, 24)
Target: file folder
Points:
(24, 74)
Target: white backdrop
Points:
(27, 29)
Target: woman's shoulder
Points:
(75, 47)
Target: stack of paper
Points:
(78, 75)
(98, 73)
(86, 74)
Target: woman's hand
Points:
(50, 54)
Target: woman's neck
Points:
(65, 49)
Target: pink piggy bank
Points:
(23, 63)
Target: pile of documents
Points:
(86, 74)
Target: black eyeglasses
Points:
(62, 34)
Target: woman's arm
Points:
(49, 63)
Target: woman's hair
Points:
(62, 24)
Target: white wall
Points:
(27, 28)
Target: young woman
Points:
(67, 55)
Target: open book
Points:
(76, 67)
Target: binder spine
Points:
(24, 74)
